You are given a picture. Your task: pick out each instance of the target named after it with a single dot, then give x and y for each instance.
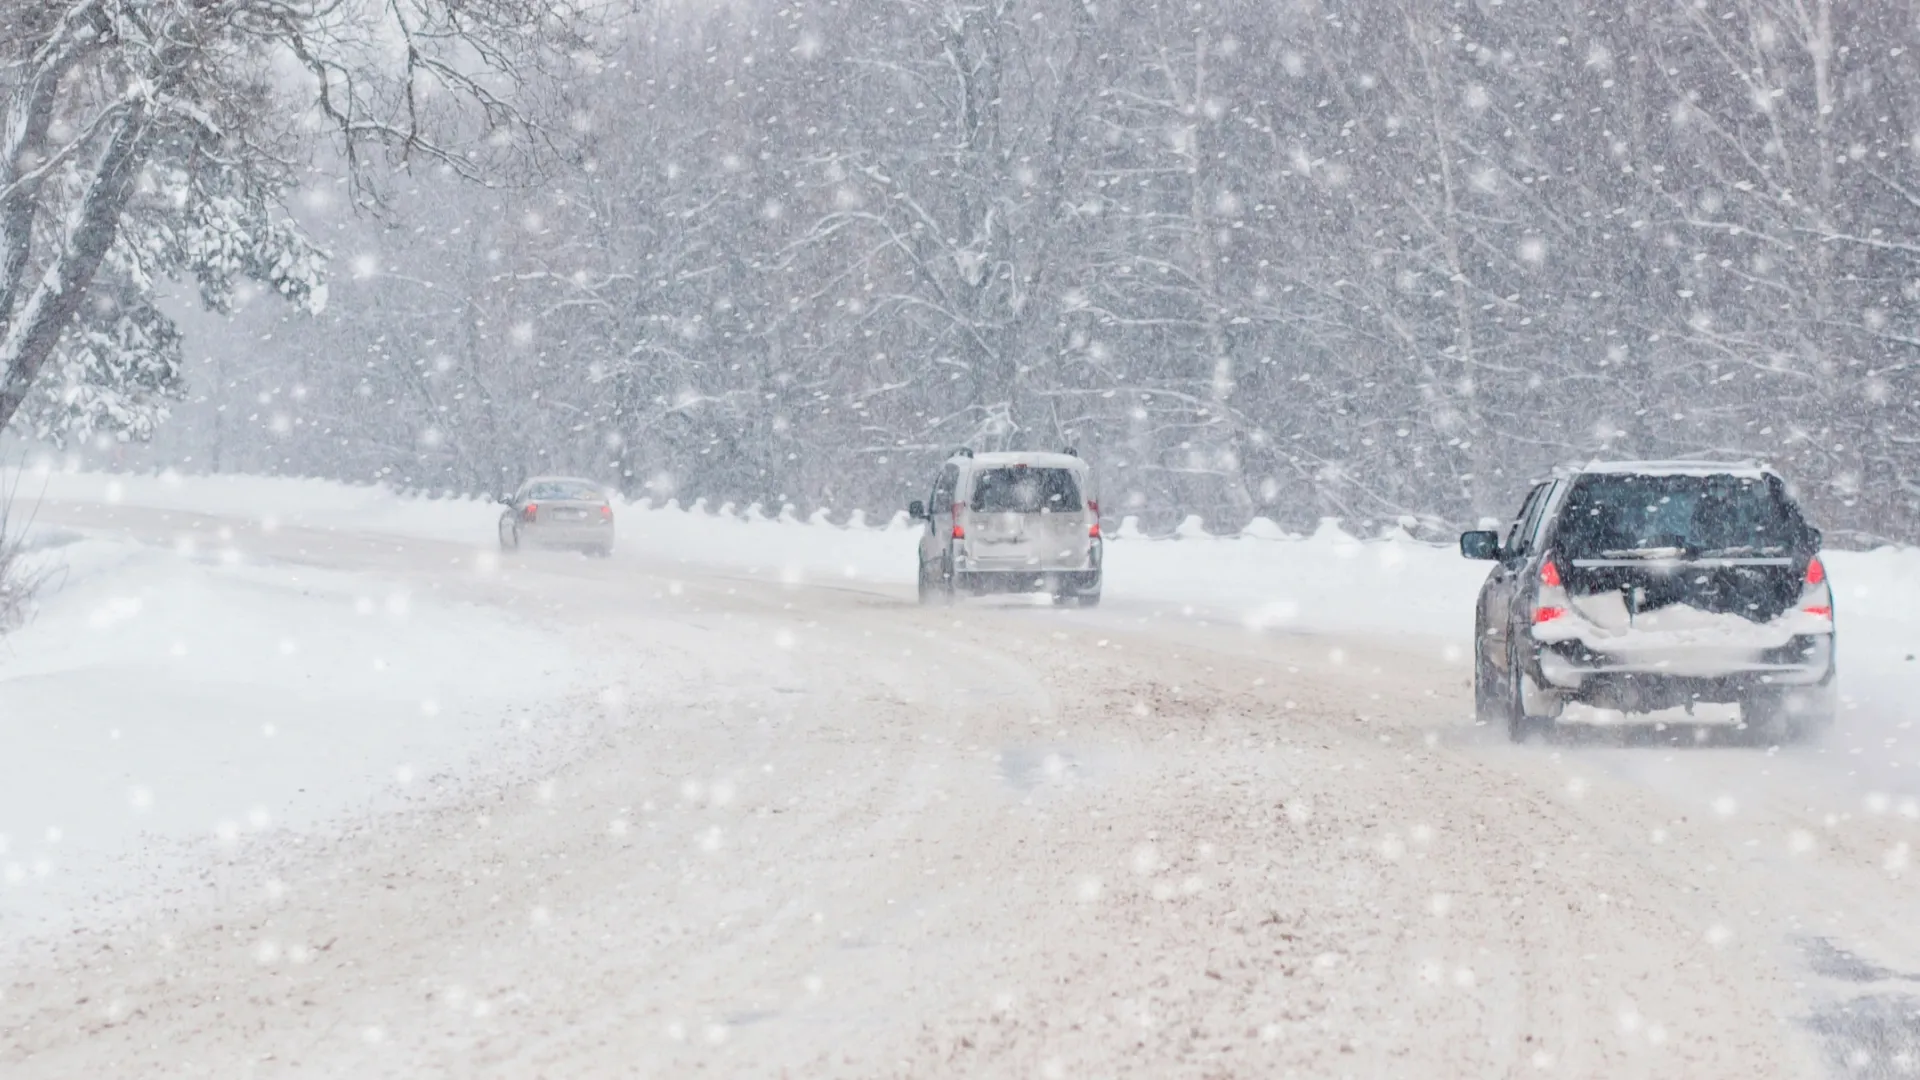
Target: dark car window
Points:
(1536, 519)
(1026, 491)
(562, 490)
(1628, 516)
(943, 486)
(1521, 531)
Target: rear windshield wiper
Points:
(1645, 553)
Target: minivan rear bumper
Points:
(973, 560)
(1000, 581)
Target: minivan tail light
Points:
(1548, 614)
(1093, 529)
(1816, 573)
(1549, 574)
(959, 530)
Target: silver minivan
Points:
(1011, 522)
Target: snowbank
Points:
(1329, 581)
(201, 699)
(320, 504)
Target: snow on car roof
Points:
(1679, 468)
(1001, 458)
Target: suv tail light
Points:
(1816, 596)
(959, 530)
(530, 511)
(1552, 601)
(606, 512)
(1093, 529)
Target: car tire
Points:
(1522, 725)
(1488, 693)
(1813, 725)
(509, 538)
(601, 551)
(1089, 597)
(936, 582)
(1763, 719)
(1775, 717)
(928, 584)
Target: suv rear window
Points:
(1651, 516)
(1025, 491)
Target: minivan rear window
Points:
(1025, 491)
(1652, 516)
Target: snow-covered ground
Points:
(996, 835)
(170, 699)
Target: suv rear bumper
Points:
(1664, 680)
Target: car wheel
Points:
(1763, 719)
(1488, 694)
(1522, 725)
(1089, 596)
(509, 538)
(945, 580)
(929, 584)
(1788, 716)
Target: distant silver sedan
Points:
(558, 512)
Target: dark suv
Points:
(1643, 588)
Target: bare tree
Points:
(148, 140)
(1380, 260)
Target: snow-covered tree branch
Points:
(147, 142)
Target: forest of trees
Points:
(1378, 259)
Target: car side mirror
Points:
(1483, 544)
(917, 510)
(503, 500)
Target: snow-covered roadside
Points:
(1329, 581)
(166, 699)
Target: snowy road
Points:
(822, 831)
